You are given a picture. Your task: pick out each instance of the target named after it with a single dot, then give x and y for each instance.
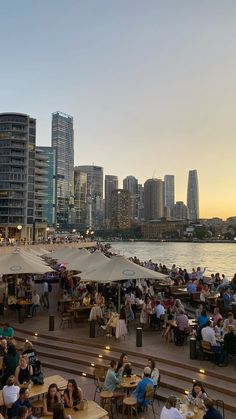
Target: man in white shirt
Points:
(159, 312)
(35, 303)
(208, 335)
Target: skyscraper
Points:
(80, 182)
(94, 195)
(140, 202)
(180, 211)
(63, 141)
(169, 181)
(17, 177)
(50, 170)
(111, 184)
(120, 209)
(153, 202)
(193, 195)
(130, 183)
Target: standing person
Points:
(45, 295)
(35, 303)
(72, 394)
(53, 396)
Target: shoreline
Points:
(169, 241)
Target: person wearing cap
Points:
(144, 386)
(211, 412)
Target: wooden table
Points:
(38, 390)
(130, 383)
(78, 309)
(91, 411)
(184, 409)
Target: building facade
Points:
(95, 207)
(180, 211)
(63, 141)
(111, 184)
(130, 183)
(120, 209)
(140, 202)
(153, 199)
(49, 210)
(80, 185)
(40, 197)
(17, 176)
(169, 194)
(193, 195)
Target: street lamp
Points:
(19, 228)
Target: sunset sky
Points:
(151, 85)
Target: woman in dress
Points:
(72, 394)
(53, 396)
(146, 311)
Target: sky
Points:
(151, 85)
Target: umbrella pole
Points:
(118, 297)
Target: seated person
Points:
(8, 331)
(53, 396)
(124, 362)
(216, 316)
(230, 321)
(191, 286)
(59, 411)
(86, 300)
(10, 394)
(3, 347)
(23, 400)
(24, 371)
(170, 410)
(155, 375)
(208, 335)
(72, 394)
(197, 394)
(228, 299)
(23, 413)
(230, 341)
(113, 376)
(144, 392)
(205, 293)
(203, 318)
(182, 327)
(219, 328)
(211, 412)
(10, 363)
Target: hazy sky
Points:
(151, 85)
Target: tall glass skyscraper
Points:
(153, 199)
(169, 191)
(193, 195)
(130, 183)
(111, 184)
(63, 141)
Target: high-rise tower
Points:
(153, 202)
(193, 195)
(111, 184)
(130, 183)
(169, 187)
(63, 141)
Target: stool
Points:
(66, 319)
(37, 405)
(106, 400)
(130, 403)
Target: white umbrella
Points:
(18, 263)
(87, 262)
(119, 268)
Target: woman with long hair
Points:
(59, 411)
(72, 394)
(24, 371)
(52, 397)
(10, 363)
(170, 411)
(155, 375)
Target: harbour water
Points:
(216, 257)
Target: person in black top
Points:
(230, 341)
(30, 352)
(211, 413)
(24, 371)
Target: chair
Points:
(67, 319)
(37, 405)
(129, 404)
(149, 398)
(205, 348)
(221, 405)
(98, 378)
(106, 398)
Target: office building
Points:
(120, 209)
(140, 202)
(180, 211)
(17, 176)
(111, 184)
(50, 169)
(153, 199)
(130, 183)
(40, 195)
(63, 141)
(95, 205)
(193, 195)
(169, 191)
(80, 185)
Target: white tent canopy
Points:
(119, 268)
(19, 263)
(67, 253)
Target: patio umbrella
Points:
(19, 263)
(56, 254)
(33, 256)
(87, 262)
(119, 268)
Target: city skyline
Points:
(151, 86)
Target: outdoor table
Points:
(37, 390)
(130, 383)
(91, 411)
(198, 414)
(77, 310)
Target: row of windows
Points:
(13, 176)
